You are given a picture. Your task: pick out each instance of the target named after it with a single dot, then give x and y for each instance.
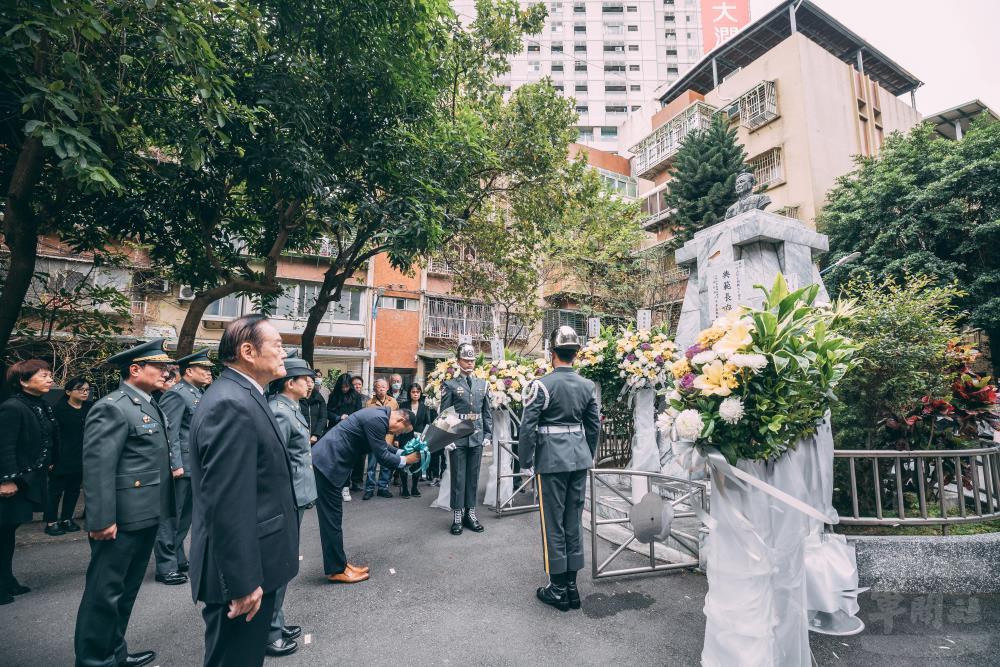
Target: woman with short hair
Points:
(28, 435)
(66, 471)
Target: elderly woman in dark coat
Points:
(26, 439)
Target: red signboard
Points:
(721, 20)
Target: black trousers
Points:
(437, 465)
(66, 487)
(358, 473)
(169, 547)
(113, 579)
(464, 465)
(235, 642)
(330, 513)
(7, 531)
(560, 500)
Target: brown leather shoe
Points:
(348, 577)
(362, 569)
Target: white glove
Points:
(450, 448)
(528, 472)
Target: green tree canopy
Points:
(78, 78)
(703, 184)
(925, 205)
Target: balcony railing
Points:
(450, 318)
(654, 153)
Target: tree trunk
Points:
(20, 229)
(196, 309)
(993, 336)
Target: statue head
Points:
(745, 183)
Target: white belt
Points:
(561, 428)
(472, 416)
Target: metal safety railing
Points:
(917, 488)
(683, 494)
(523, 482)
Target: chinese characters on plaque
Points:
(727, 288)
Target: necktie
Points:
(468, 378)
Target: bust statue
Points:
(747, 201)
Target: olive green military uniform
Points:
(558, 438)
(178, 405)
(126, 478)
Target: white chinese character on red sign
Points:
(723, 10)
(723, 33)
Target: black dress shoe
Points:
(6, 598)
(70, 526)
(184, 568)
(14, 587)
(54, 529)
(291, 631)
(472, 523)
(573, 596)
(405, 493)
(138, 659)
(368, 495)
(456, 528)
(172, 578)
(281, 647)
(415, 493)
(384, 493)
(554, 597)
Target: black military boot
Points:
(456, 526)
(572, 594)
(471, 521)
(554, 594)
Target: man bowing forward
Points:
(244, 530)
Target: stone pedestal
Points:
(754, 246)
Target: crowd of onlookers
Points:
(348, 396)
(41, 448)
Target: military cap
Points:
(148, 353)
(199, 358)
(297, 368)
(565, 338)
(466, 351)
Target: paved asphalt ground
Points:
(436, 599)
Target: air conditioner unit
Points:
(733, 111)
(186, 293)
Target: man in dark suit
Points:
(126, 477)
(178, 405)
(244, 529)
(333, 458)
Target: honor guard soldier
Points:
(286, 394)
(178, 404)
(126, 478)
(558, 439)
(470, 397)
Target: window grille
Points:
(767, 168)
(555, 318)
(451, 318)
(789, 212)
(759, 105)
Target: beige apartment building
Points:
(806, 95)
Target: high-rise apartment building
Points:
(611, 55)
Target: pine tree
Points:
(704, 179)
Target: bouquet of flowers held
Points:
(644, 358)
(757, 381)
